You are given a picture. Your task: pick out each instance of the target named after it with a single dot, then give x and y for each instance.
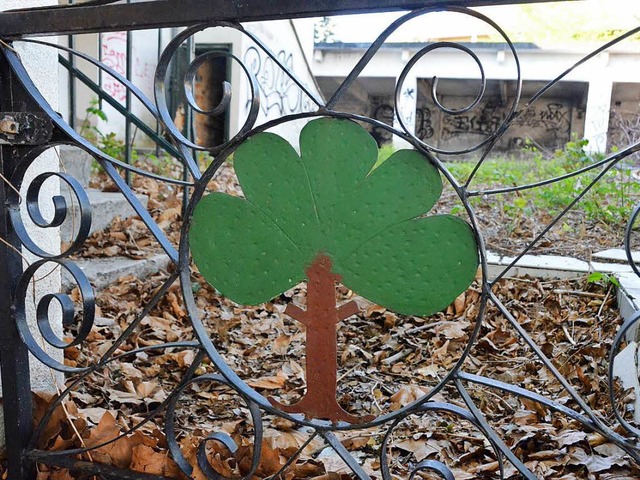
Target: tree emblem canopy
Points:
(330, 202)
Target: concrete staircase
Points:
(105, 206)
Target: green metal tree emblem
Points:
(326, 215)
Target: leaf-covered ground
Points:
(386, 361)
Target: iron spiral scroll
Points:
(459, 382)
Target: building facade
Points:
(600, 96)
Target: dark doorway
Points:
(208, 92)
(208, 89)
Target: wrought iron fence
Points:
(32, 126)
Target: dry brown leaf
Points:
(62, 474)
(355, 442)
(306, 469)
(375, 309)
(406, 395)
(117, 453)
(428, 371)
(570, 437)
(452, 330)
(540, 410)
(459, 303)
(421, 449)
(185, 358)
(268, 383)
(440, 353)
(271, 460)
(146, 459)
(595, 463)
(525, 417)
(281, 344)
(332, 461)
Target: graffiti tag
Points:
(277, 90)
(114, 55)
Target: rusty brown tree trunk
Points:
(321, 317)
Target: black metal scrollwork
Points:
(60, 209)
(42, 313)
(160, 87)
(457, 379)
(219, 437)
(436, 466)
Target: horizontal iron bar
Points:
(167, 13)
(55, 459)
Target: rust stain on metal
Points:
(321, 317)
(9, 125)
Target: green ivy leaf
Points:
(329, 200)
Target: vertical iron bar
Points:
(127, 128)
(71, 42)
(72, 84)
(14, 367)
(100, 72)
(158, 128)
(188, 112)
(190, 124)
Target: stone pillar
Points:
(42, 65)
(407, 105)
(597, 114)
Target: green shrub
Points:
(610, 200)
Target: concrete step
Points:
(102, 272)
(551, 266)
(617, 255)
(105, 206)
(77, 163)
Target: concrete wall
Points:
(89, 45)
(624, 119)
(292, 43)
(111, 49)
(144, 60)
(553, 118)
(279, 95)
(549, 123)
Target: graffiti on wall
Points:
(406, 106)
(550, 117)
(548, 124)
(487, 121)
(424, 125)
(278, 93)
(383, 112)
(624, 129)
(114, 55)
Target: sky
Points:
(542, 21)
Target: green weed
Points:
(603, 279)
(108, 143)
(610, 200)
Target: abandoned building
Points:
(598, 97)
